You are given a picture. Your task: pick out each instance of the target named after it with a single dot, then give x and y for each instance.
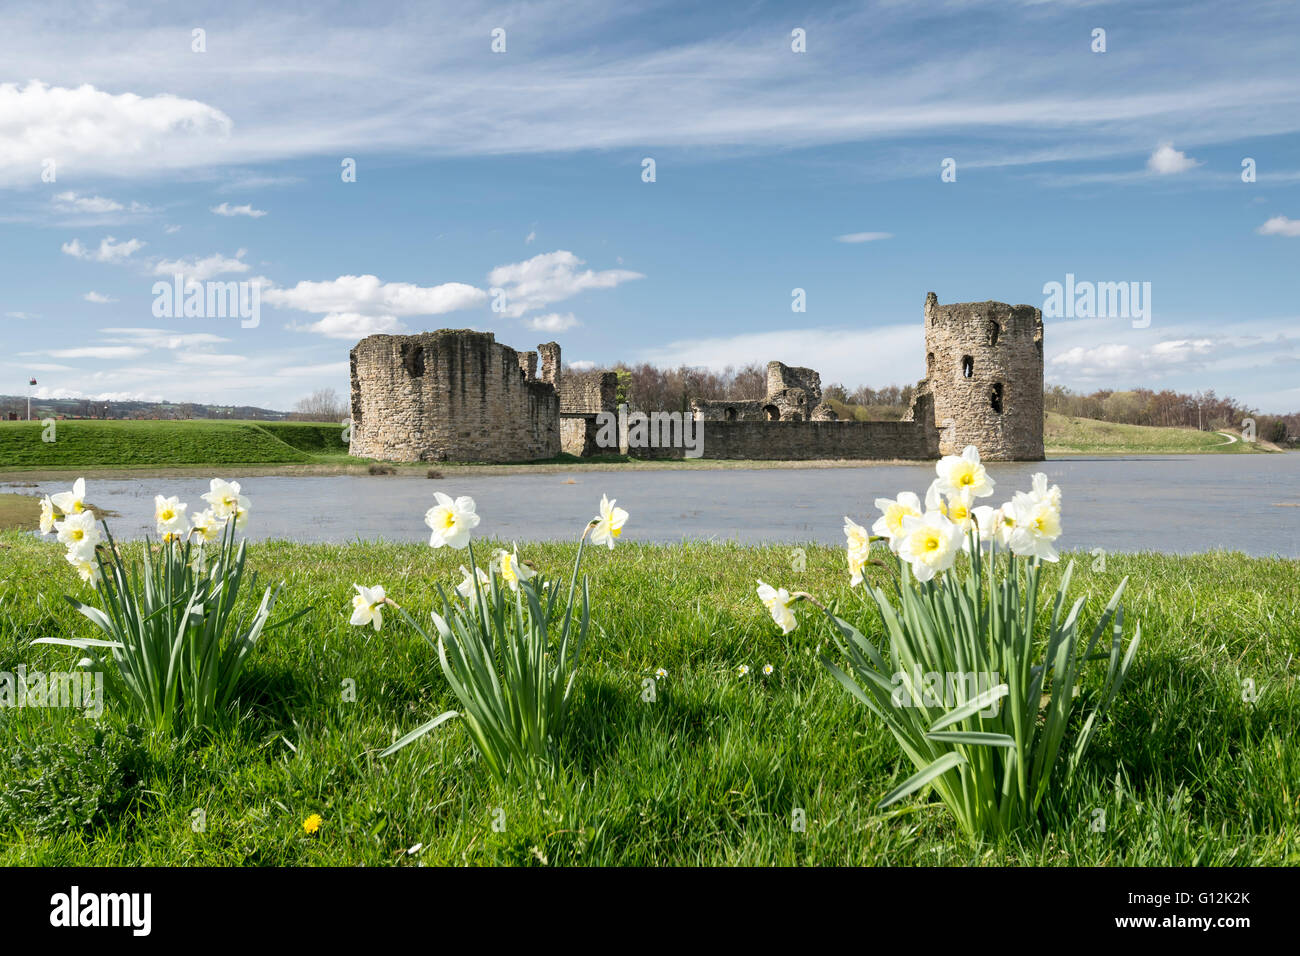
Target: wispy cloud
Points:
(854, 237)
(1280, 226)
(109, 250)
(225, 209)
(550, 277)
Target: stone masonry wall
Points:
(583, 396)
(452, 395)
(984, 368)
(795, 441)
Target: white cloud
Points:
(98, 298)
(553, 322)
(98, 352)
(582, 365)
(864, 236)
(550, 277)
(110, 250)
(363, 305)
(21, 315)
(528, 239)
(94, 204)
(85, 130)
(1166, 160)
(171, 229)
(1280, 226)
(1115, 360)
(200, 270)
(225, 209)
(352, 325)
(162, 338)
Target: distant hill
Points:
(16, 405)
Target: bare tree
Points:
(323, 405)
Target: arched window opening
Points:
(995, 400)
(772, 412)
(967, 366)
(994, 331)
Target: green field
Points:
(307, 447)
(1065, 436)
(1185, 770)
(134, 443)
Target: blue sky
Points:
(522, 171)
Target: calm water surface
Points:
(1163, 503)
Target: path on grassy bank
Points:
(709, 773)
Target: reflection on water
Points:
(1166, 503)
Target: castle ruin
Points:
(458, 395)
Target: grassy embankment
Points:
(1064, 435)
(711, 772)
(197, 447)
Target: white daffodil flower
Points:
(87, 567)
(995, 524)
(1037, 518)
(777, 603)
(858, 549)
(607, 525)
(226, 501)
(71, 502)
(169, 513)
(466, 587)
(451, 521)
(367, 606)
(207, 525)
(929, 544)
(963, 474)
(892, 512)
(48, 518)
(80, 532)
(507, 565)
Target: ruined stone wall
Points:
(452, 395)
(583, 396)
(781, 377)
(796, 441)
(984, 369)
(722, 410)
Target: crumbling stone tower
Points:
(984, 369)
(453, 395)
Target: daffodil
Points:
(858, 549)
(87, 567)
(451, 521)
(206, 525)
(466, 587)
(929, 544)
(1037, 517)
(892, 512)
(169, 513)
(607, 525)
(995, 524)
(80, 532)
(48, 517)
(777, 603)
(963, 474)
(507, 565)
(367, 606)
(226, 501)
(71, 502)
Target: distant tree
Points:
(323, 405)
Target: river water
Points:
(1170, 503)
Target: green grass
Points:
(1066, 435)
(710, 773)
(126, 443)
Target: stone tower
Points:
(984, 368)
(453, 395)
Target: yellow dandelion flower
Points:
(311, 824)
